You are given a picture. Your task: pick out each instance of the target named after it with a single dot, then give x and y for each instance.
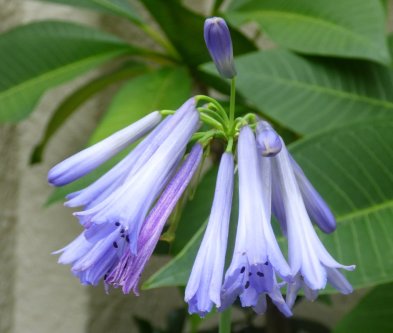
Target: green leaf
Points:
(72, 102)
(117, 7)
(167, 88)
(346, 28)
(309, 95)
(38, 56)
(374, 313)
(188, 40)
(351, 168)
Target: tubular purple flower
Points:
(317, 208)
(219, 43)
(127, 272)
(269, 144)
(204, 284)
(310, 262)
(115, 177)
(90, 158)
(143, 187)
(257, 256)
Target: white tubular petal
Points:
(206, 276)
(90, 158)
(301, 236)
(275, 255)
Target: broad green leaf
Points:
(309, 95)
(39, 56)
(167, 88)
(117, 7)
(72, 102)
(346, 28)
(188, 40)
(374, 313)
(352, 168)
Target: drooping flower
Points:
(117, 203)
(127, 272)
(90, 158)
(257, 257)
(219, 43)
(142, 187)
(204, 284)
(311, 264)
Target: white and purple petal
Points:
(204, 284)
(90, 158)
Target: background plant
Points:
(327, 86)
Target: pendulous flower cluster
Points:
(125, 210)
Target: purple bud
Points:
(268, 141)
(219, 43)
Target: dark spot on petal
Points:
(260, 274)
(243, 269)
(247, 285)
(249, 274)
(117, 224)
(105, 276)
(266, 263)
(122, 236)
(127, 239)
(122, 231)
(115, 245)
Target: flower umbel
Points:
(124, 212)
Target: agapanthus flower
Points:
(257, 257)
(127, 272)
(219, 43)
(116, 207)
(204, 284)
(311, 264)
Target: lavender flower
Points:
(311, 264)
(256, 257)
(129, 268)
(219, 43)
(117, 203)
(142, 187)
(90, 158)
(204, 285)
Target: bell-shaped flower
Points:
(311, 264)
(128, 270)
(129, 203)
(257, 257)
(102, 253)
(204, 284)
(219, 43)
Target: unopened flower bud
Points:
(269, 142)
(219, 43)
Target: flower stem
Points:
(232, 103)
(225, 321)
